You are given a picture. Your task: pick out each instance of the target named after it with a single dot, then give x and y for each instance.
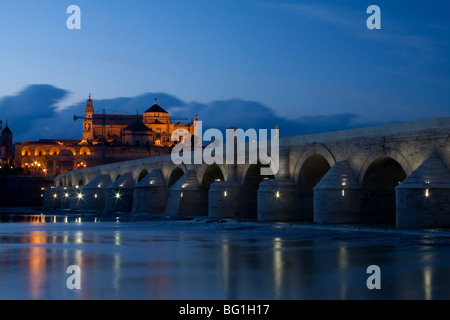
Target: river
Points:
(203, 259)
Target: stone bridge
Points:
(396, 173)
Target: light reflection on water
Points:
(41, 218)
(159, 260)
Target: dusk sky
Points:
(294, 59)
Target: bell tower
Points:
(6, 145)
(88, 131)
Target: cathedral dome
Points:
(137, 125)
(156, 109)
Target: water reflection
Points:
(277, 266)
(136, 261)
(37, 218)
(47, 218)
(36, 263)
(225, 261)
(427, 282)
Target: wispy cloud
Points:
(353, 20)
(336, 16)
(419, 47)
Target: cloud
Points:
(35, 101)
(251, 114)
(28, 109)
(32, 114)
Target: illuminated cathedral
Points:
(152, 128)
(106, 138)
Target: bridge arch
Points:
(175, 173)
(142, 174)
(312, 150)
(205, 170)
(382, 172)
(380, 153)
(251, 167)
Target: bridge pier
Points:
(64, 196)
(225, 197)
(119, 195)
(423, 198)
(52, 198)
(93, 195)
(73, 197)
(277, 200)
(151, 193)
(185, 197)
(337, 196)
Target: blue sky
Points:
(297, 58)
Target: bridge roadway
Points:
(396, 173)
